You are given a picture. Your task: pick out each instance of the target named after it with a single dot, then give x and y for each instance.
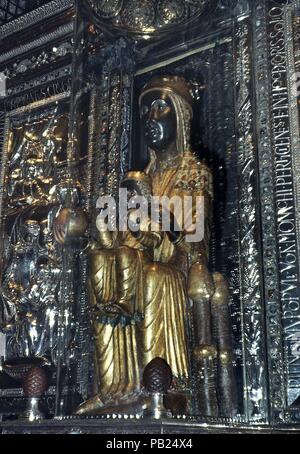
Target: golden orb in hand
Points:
(69, 224)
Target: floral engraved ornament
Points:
(150, 17)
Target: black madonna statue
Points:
(151, 291)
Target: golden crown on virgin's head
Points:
(170, 84)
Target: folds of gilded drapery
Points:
(117, 362)
(117, 359)
(164, 324)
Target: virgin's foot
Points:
(90, 406)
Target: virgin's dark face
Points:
(158, 120)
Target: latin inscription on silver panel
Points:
(285, 199)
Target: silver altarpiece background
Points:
(73, 75)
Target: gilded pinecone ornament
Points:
(35, 382)
(157, 376)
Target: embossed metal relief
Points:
(276, 395)
(31, 18)
(10, 10)
(39, 60)
(36, 285)
(255, 386)
(35, 149)
(19, 67)
(150, 15)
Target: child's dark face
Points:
(132, 187)
(137, 188)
